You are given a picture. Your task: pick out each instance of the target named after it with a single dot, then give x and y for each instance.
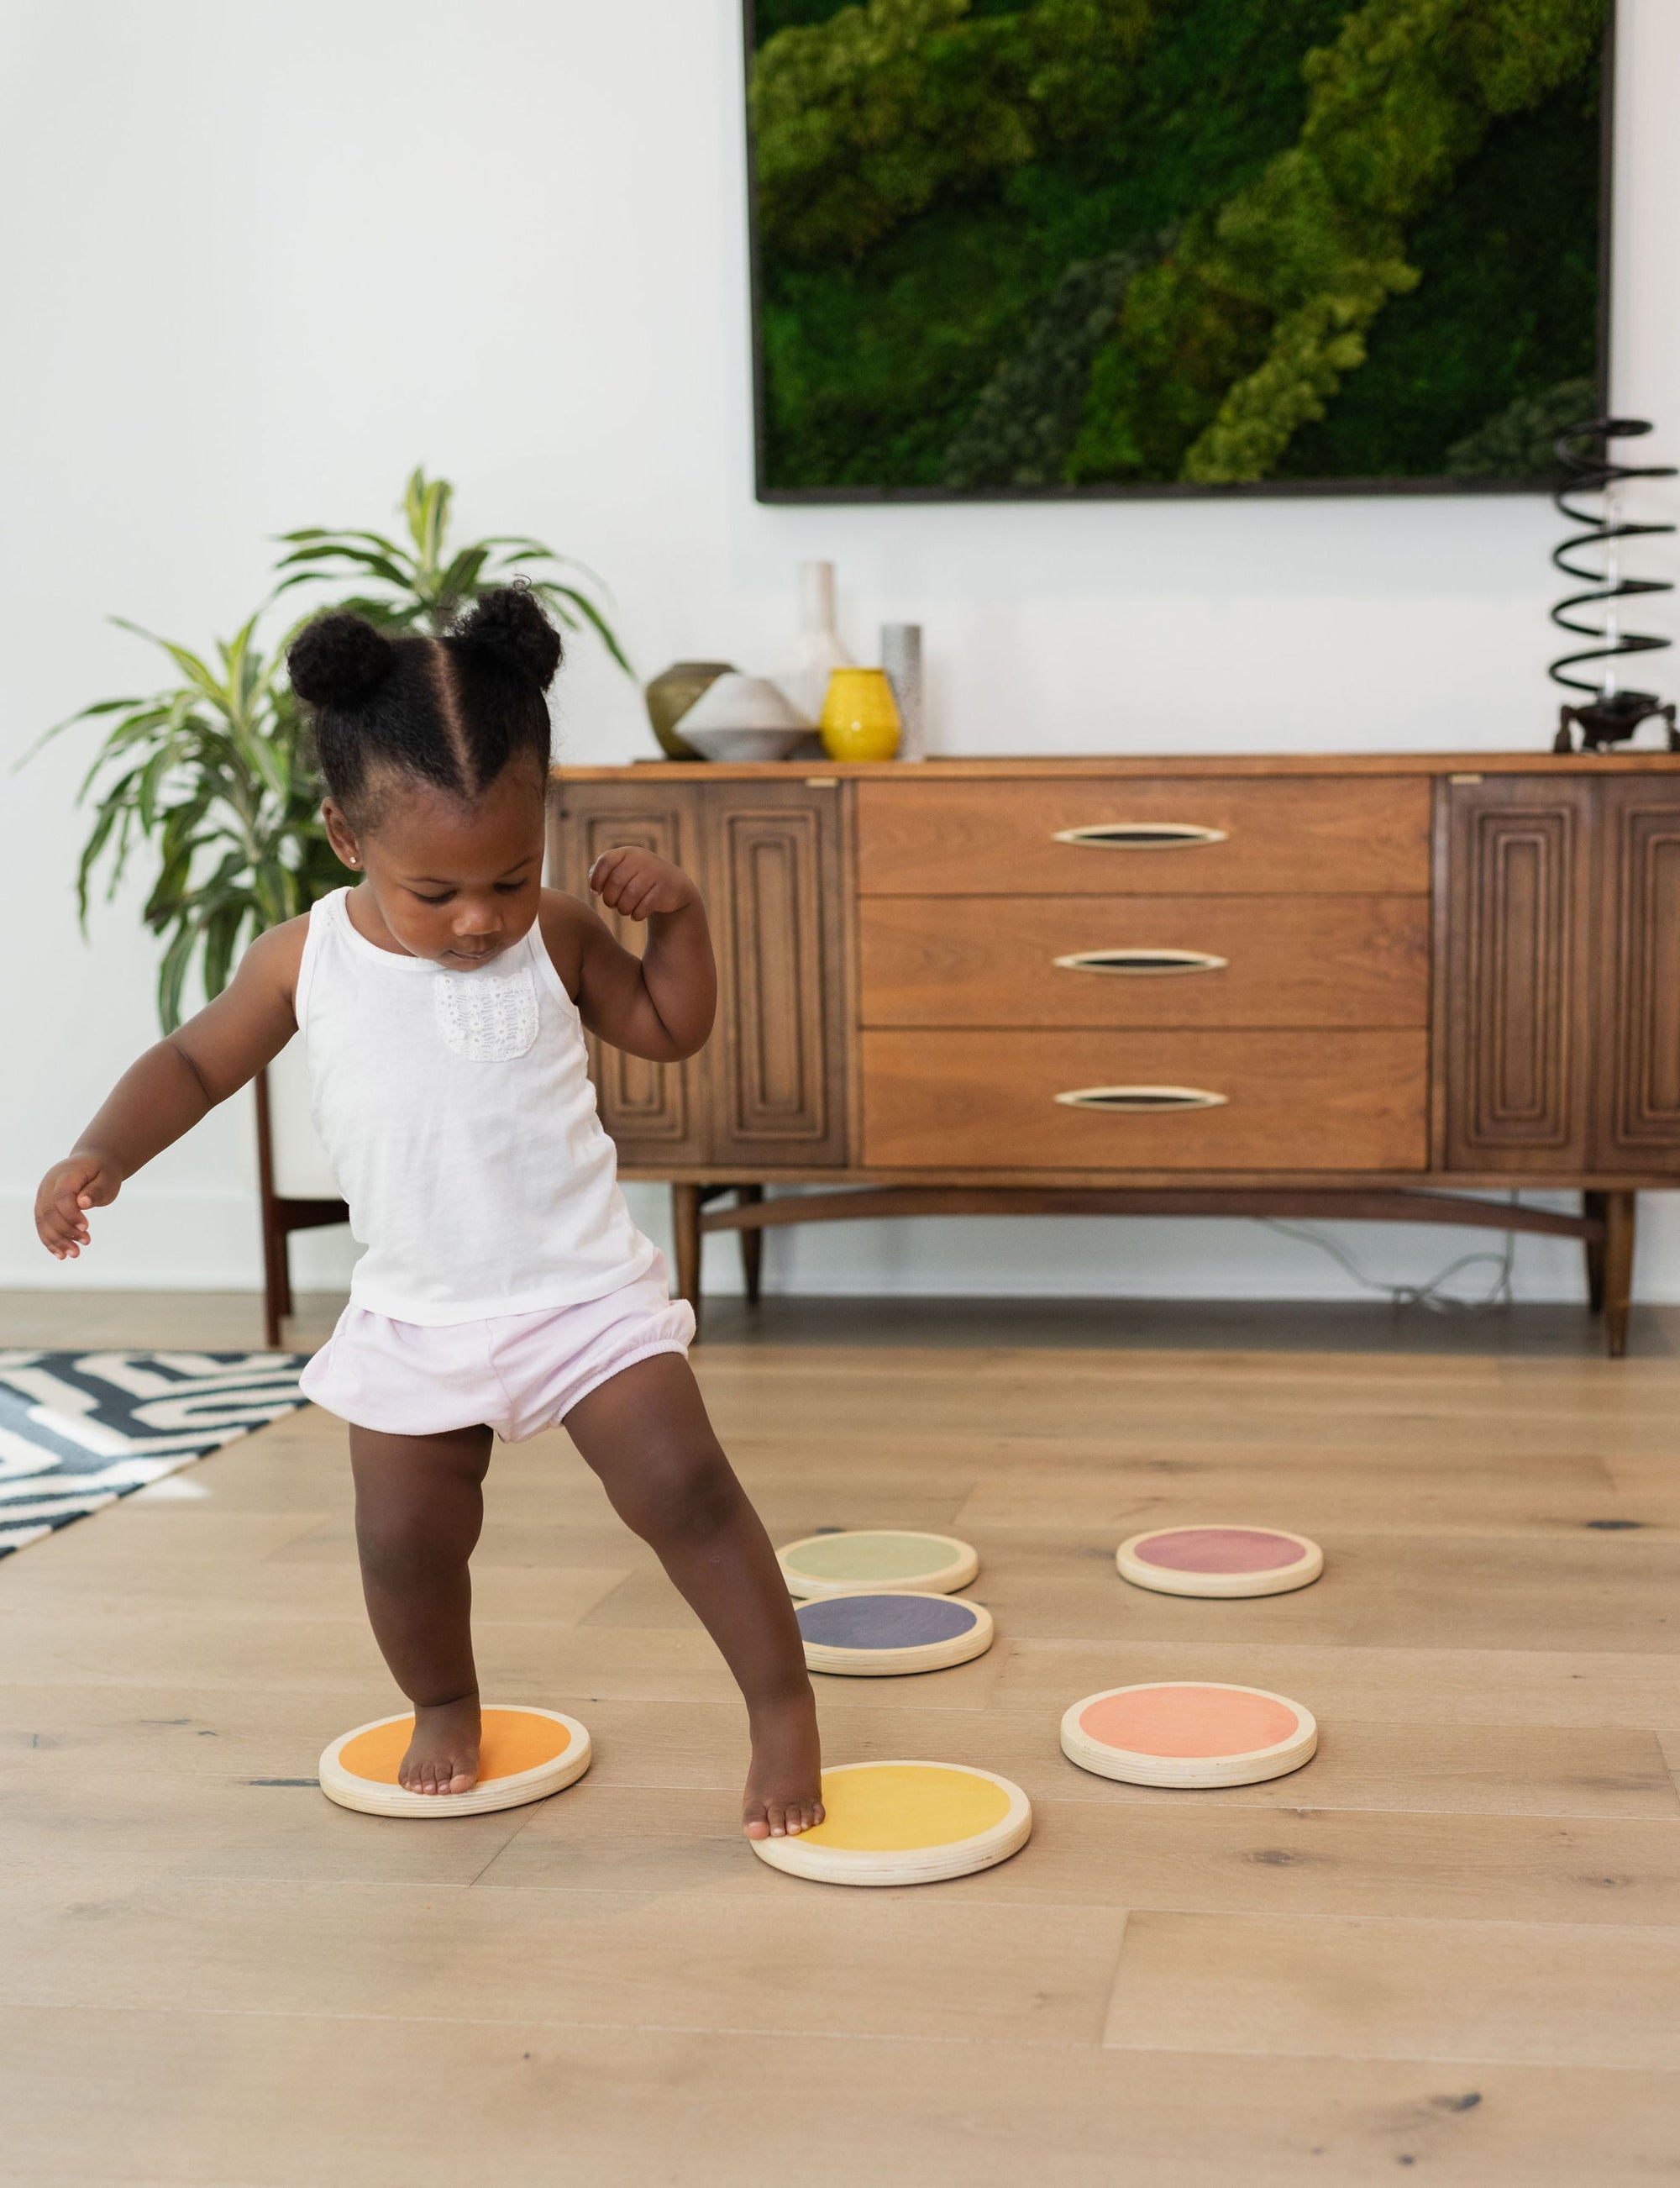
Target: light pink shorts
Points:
(520, 1372)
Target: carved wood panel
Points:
(1637, 1124)
(1517, 983)
(655, 1112)
(777, 1058)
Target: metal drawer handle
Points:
(1153, 962)
(1141, 835)
(1142, 1101)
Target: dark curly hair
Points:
(451, 711)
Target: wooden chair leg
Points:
(1592, 1207)
(276, 1288)
(276, 1259)
(751, 1243)
(685, 1225)
(1619, 1208)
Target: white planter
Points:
(820, 650)
(302, 1168)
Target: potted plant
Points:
(423, 585)
(213, 777)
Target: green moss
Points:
(770, 16)
(934, 173)
(1506, 307)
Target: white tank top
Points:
(457, 1111)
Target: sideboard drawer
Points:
(1322, 835)
(1147, 960)
(1147, 1100)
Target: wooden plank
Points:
(659, 1112)
(1638, 1107)
(776, 1064)
(936, 836)
(199, 2101)
(297, 1590)
(106, 1837)
(1184, 1851)
(1280, 960)
(1123, 766)
(138, 1648)
(1518, 992)
(1468, 1494)
(1557, 1995)
(1327, 1101)
(1039, 1176)
(1401, 1767)
(1469, 1769)
(1379, 1591)
(1582, 1689)
(592, 1959)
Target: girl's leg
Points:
(646, 1434)
(419, 1508)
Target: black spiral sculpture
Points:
(1611, 717)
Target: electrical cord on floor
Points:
(1431, 1296)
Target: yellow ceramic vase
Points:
(859, 716)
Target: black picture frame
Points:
(1171, 489)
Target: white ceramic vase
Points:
(818, 650)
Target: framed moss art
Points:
(1049, 248)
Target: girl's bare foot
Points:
(442, 1756)
(784, 1786)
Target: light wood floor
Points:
(1452, 1943)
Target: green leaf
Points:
(533, 550)
(385, 566)
(220, 933)
(91, 851)
(197, 673)
(172, 972)
(586, 607)
(338, 538)
(460, 580)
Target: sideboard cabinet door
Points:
(773, 860)
(1637, 1124)
(1518, 911)
(655, 1112)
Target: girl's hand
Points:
(69, 1189)
(640, 884)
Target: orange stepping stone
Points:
(526, 1754)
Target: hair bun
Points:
(508, 622)
(339, 660)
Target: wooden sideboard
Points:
(1309, 986)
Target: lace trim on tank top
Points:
(486, 1017)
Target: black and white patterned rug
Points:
(79, 1430)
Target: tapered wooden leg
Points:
(273, 1280)
(685, 1225)
(1593, 1208)
(751, 1243)
(1618, 1270)
(276, 1261)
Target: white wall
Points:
(260, 259)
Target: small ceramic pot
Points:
(670, 696)
(859, 718)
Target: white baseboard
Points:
(144, 1242)
(1154, 1257)
(174, 1241)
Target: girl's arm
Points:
(182, 1079)
(660, 1004)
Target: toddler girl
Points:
(442, 1001)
